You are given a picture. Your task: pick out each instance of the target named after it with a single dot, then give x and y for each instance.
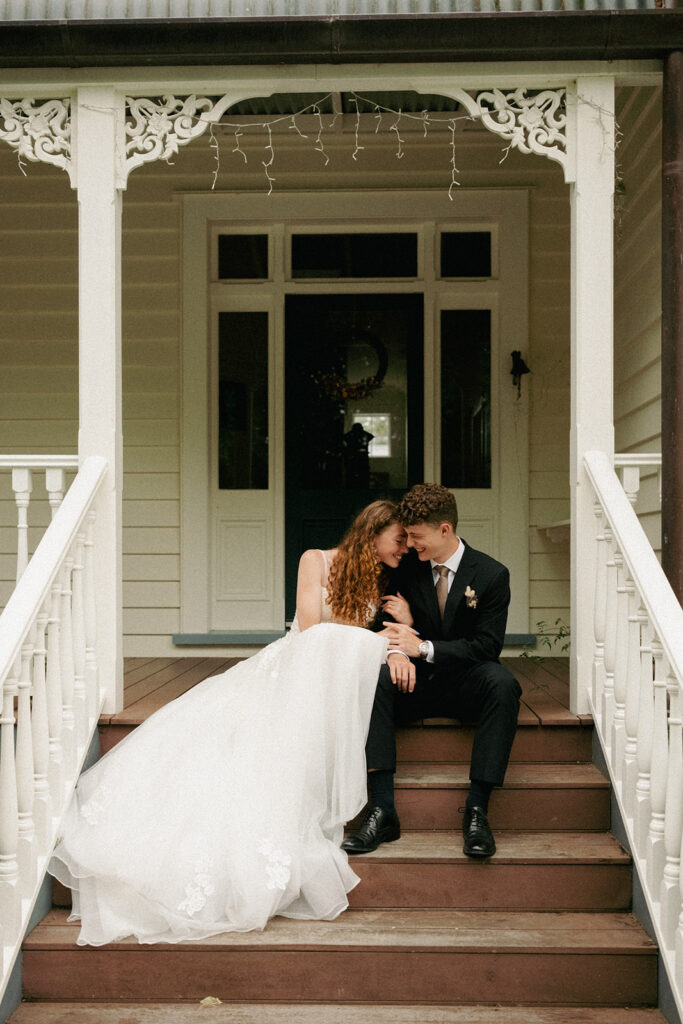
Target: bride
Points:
(227, 806)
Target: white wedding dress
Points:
(227, 806)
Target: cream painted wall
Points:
(38, 352)
(638, 304)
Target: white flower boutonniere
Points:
(470, 597)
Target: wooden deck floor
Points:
(150, 683)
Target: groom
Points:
(450, 610)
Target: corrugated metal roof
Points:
(104, 10)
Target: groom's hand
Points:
(402, 638)
(402, 671)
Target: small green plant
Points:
(555, 638)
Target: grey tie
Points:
(442, 588)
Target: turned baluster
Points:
(10, 896)
(55, 485)
(25, 782)
(53, 684)
(630, 772)
(670, 891)
(630, 481)
(599, 612)
(642, 811)
(660, 756)
(620, 670)
(610, 637)
(22, 485)
(91, 674)
(78, 638)
(66, 659)
(41, 739)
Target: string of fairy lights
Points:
(324, 123)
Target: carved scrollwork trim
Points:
(536, 123)
(39, 131)
(157, 128)
(531, 124)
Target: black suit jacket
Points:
(470, 634)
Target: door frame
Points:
(506, 210)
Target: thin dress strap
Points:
(325, 565)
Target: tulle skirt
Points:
(227, 806)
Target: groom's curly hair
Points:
(428, 503)
(357, 576)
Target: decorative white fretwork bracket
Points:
(536, 123)
(531, 124)
(39, 131)
(156, 128)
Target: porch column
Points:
(592, 425)
(672, 322)
(99, 116)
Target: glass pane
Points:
(466, 254)
(243, 401)
(363, 255)
(466, 398)
(348, 360)
(378, 425)
(242, 256)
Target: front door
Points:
(351, 344)
(353, 412)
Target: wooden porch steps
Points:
(364, 956)
(539, 934)
(531, 871)
(324, 1013)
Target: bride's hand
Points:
(399, 609)
(402, 671)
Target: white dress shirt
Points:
(452, 564)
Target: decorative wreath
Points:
(337, 387)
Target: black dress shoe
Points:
(379, 826)
(479, 841)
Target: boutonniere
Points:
(470, 597)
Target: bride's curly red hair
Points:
(357, 575)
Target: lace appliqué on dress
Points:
(199, 888)
(92, 809)
(277, 866)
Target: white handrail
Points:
(637, 697)
(38, 461)
(44, 637)
(644, 567)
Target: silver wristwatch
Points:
(424, 649)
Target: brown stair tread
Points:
(535, 776)
(150, 683)
(426, 930)
(512, 848)
(323, 1013)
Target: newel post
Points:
(591, 110)
(99, 120)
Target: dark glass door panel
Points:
(353, 412)
(466, 398)
(242, 401)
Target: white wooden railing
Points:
(22, 469)
(637, 699)
(51, 696)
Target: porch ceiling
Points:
(537, 35)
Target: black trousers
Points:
(487, 694)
